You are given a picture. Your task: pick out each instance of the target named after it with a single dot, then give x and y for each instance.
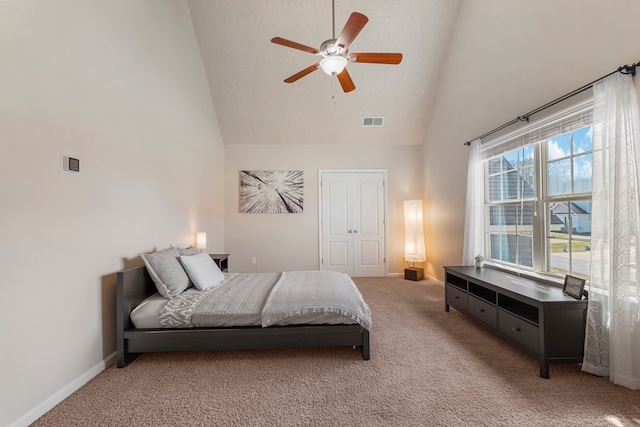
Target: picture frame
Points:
(271, 191)
(573, 286)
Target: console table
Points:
(537, 317)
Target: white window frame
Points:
(520, 201)
(561, 198)
(536, 133)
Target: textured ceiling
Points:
(246, 71)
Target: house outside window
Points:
(538, 196)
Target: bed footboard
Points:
(365, 348)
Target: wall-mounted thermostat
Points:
(70, 164)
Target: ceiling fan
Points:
(335, 52)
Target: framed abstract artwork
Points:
(271, 191)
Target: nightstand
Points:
(222, 260)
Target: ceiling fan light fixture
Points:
(334, 53)
(333, 65)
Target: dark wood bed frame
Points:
(135, 284)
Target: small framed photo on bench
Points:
(573, 286)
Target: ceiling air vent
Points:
(372, 122)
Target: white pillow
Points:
(202, 270)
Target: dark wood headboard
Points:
(134, 285)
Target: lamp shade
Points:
(201, 240)
(414, 248)
(333, 65)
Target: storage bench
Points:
(534, 315)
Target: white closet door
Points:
(337, 244)
(352, 223)
(368, 223)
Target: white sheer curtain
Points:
(612, 346)
(474, 208)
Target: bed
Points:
(279, 329)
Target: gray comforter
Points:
(270, 299)
(310, 296)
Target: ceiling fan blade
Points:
(376, 58)
(345, 81)
(302, 73)
(289, 43)
(354, 25)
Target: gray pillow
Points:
(189, 251)
(166, 272)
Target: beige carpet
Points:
(427, 368)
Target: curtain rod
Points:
(625, 69)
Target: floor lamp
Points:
(414, 248)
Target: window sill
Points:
(530, 274)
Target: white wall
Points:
(290, 241)
(119, 85)
(507, 58)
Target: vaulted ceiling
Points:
(246, 71)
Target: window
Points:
(538, 195)
(511, 185)
(568, 203)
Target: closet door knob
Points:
(350, 231)
(355, 231)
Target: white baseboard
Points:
(57, 397)
(433, 279)
(430, 278)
